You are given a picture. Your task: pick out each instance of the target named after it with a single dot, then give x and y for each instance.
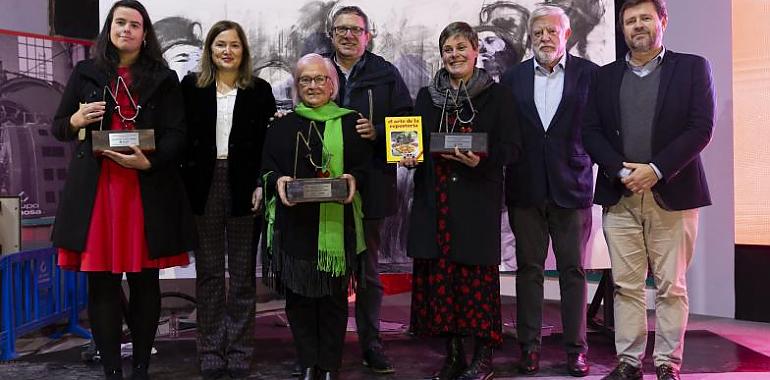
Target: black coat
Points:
(168, 222)
(475, 195)
(295, 239)
(681, 129)
(254, 106)
(390, 97)
(553, 165)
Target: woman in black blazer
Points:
(227, 110)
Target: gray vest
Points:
(638, 97)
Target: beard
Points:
(642, 45)
(546, 57)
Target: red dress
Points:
(116, 241)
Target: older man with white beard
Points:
(548, 191)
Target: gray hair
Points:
(331, 72)
(548, 10)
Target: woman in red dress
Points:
(123, 212)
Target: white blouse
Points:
(225, 106)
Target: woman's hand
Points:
(256, 200)
(280, 187)
(87, 114)
(351, 187)
(469, 159)
(136, 160)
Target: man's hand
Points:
(642, 177)
(365, 128)
(256, 199)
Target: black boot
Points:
(481, 366)
(113, 374)
(454, 363)
(140, 372)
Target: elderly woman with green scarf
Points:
(311, 248)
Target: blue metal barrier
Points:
(34, 293)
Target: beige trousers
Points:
(640, 234)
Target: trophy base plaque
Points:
(446, 142)
(121, 141)
(303, 190)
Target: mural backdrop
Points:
(405, 33)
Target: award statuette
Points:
(121, 140)
(446, 139)
(319, 189)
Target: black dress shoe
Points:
(238, 373)
(140, 372)
(529, 363)
(113, 374)
(481, 365)
(577, 365)
(328, 375)
(625, 371)
(213, 373)
(666, 372)
(376, 360)
(308, 373)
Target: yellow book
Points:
(403, 137)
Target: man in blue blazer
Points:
(649, 116)
(548, 191)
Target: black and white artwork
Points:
(405, 32)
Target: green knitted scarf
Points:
(331, 221)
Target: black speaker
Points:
(74, 18)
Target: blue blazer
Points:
(553, 165)
(682, 127)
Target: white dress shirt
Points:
(549, 87)
(225, 106)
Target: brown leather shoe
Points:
(529, 363)
(577, 365)
(666, 372)
(625, 371)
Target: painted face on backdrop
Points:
(642, 28)
(313, 85)
(493, 54)
(459, 57)
(127, 30)
(349, 36)
(182, 58)
(549, 39)
(227, 51)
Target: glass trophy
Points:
(322, 188)
(121, 140)
(447, 139)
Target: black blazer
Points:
(254, 106)
(553, 165)
(168, 224)
(682, 127)
(390, 97)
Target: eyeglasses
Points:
(343, 30)
(319, 80)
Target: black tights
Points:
(105, 312)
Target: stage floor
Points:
(715, 349)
